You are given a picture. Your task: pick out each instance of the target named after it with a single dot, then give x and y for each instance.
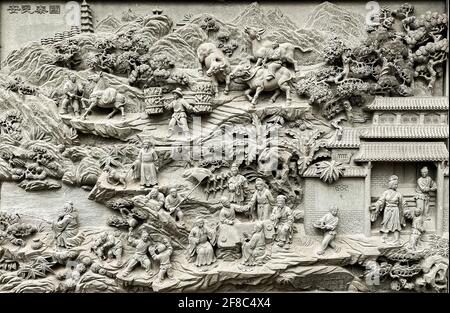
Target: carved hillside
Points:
(333, 19)
(181, 45)
(231, 154)
(108, 24)
(256, 16)
(37, 114)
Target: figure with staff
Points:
(173, 201)
(172, 205)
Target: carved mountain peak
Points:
(109, 23)
(255, 15)
(277, 13)
(330, 18)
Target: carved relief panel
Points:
(154, 148)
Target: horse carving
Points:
(264, 49)
(100, 95)
(256, 80)
(216, 64)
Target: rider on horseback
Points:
(274, 56)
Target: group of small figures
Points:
(95, 92)
(160, 252)
(265, 70)
(202, 238)
(396, 210)
(262, 209)
(109, 246)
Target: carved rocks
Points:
(263, 152)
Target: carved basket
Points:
(203, 94)
(153, 99)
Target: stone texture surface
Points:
(347, 194)
(193, 147)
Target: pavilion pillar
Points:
(367, 200)
(440, 198)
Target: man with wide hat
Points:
(179, 106)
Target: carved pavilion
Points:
(406, 134)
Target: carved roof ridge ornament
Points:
(402, 151)
(409, 104)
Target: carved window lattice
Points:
(388, 118)
(342, 156)
(432, 118)
(410, 118)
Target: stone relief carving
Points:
(350, 167)
(391, 203)
(328, 224)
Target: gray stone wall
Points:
(347, 194)
(407, 174)
(379, 178)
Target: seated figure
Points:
(254, 246)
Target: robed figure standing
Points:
(392, 203)
(425, 185)
(145, 166)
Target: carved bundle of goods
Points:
(153, 100)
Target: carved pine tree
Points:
(87, 25)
